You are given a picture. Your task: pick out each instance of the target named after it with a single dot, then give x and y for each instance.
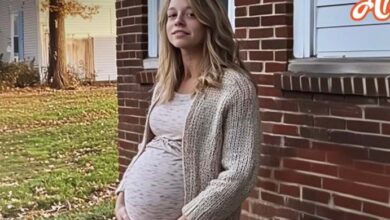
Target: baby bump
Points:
(154, 186)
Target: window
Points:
(153, 10)
(324, 29)
(17, 51)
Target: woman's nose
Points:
(179, 20)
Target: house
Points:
(324, 95)
(91, 53)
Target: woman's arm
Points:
(240, 158)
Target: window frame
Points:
(305, 51)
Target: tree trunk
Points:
(57, 51)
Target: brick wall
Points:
(326, 147)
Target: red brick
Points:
(296, 142)
(377, 113)
(288, 105)
(315, 195)
(365, 177)
(271, 116)
(263, 210)
(359, 216)
(297, 177)
(351, 152)
(283, 8)
(263, 79)
(283, 55)
(240, 33)
(386, 129)
(254, 193)
(275, 67)
(247, 22)
(280, 129)
(329, 213)
(298, 119)
(284, 32)
(348, 203)
(269, 161)
(269, 91)
(370, 166)
(324, 169)
(261, 33)
(382, 156)
(267, 185)
(274, 198)
(245, 206)
(387, 169)
(300, 205)
(378, 210)
(245, 2)
(363, 126)
(271, 139)
(260, 10)
(133, 137)
(276, 20)
(328, 122)
(290, 190)
(241, 11)
(311, 107)
(355, 189)
(250, 44)
(320, 134)
(311, 154)
(275, 1)
(345, 110)
(264, 172)
(276, 44)
(261, 55)
(296, 164)
(254, 66)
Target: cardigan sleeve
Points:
(240, 158)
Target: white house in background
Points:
(91, 44)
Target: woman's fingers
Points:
(122, 214)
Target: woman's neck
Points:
(191, 61)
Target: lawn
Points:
(58, 157)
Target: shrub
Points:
(17, 75)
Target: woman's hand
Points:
(120, 209)
(183, 217)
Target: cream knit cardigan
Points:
(220, 143)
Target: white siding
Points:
(5, 29)
(30, 26)
(337, 35)
(31, 31)
(105, 58)
(101, 24)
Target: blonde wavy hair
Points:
(220, 50)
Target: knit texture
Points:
(220, 144)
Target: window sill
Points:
(150, 63)
(363, 77)
(341, 65)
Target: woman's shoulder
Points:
(237, 82)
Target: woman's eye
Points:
(171, 15)
(190, 15)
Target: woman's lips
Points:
(180, 33)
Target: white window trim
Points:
(153, 10)
(304, 34)
(305, 51)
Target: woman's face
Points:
(183, 28)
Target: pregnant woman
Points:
(200, 150)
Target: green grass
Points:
(58, 154)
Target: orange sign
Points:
(380, 9)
